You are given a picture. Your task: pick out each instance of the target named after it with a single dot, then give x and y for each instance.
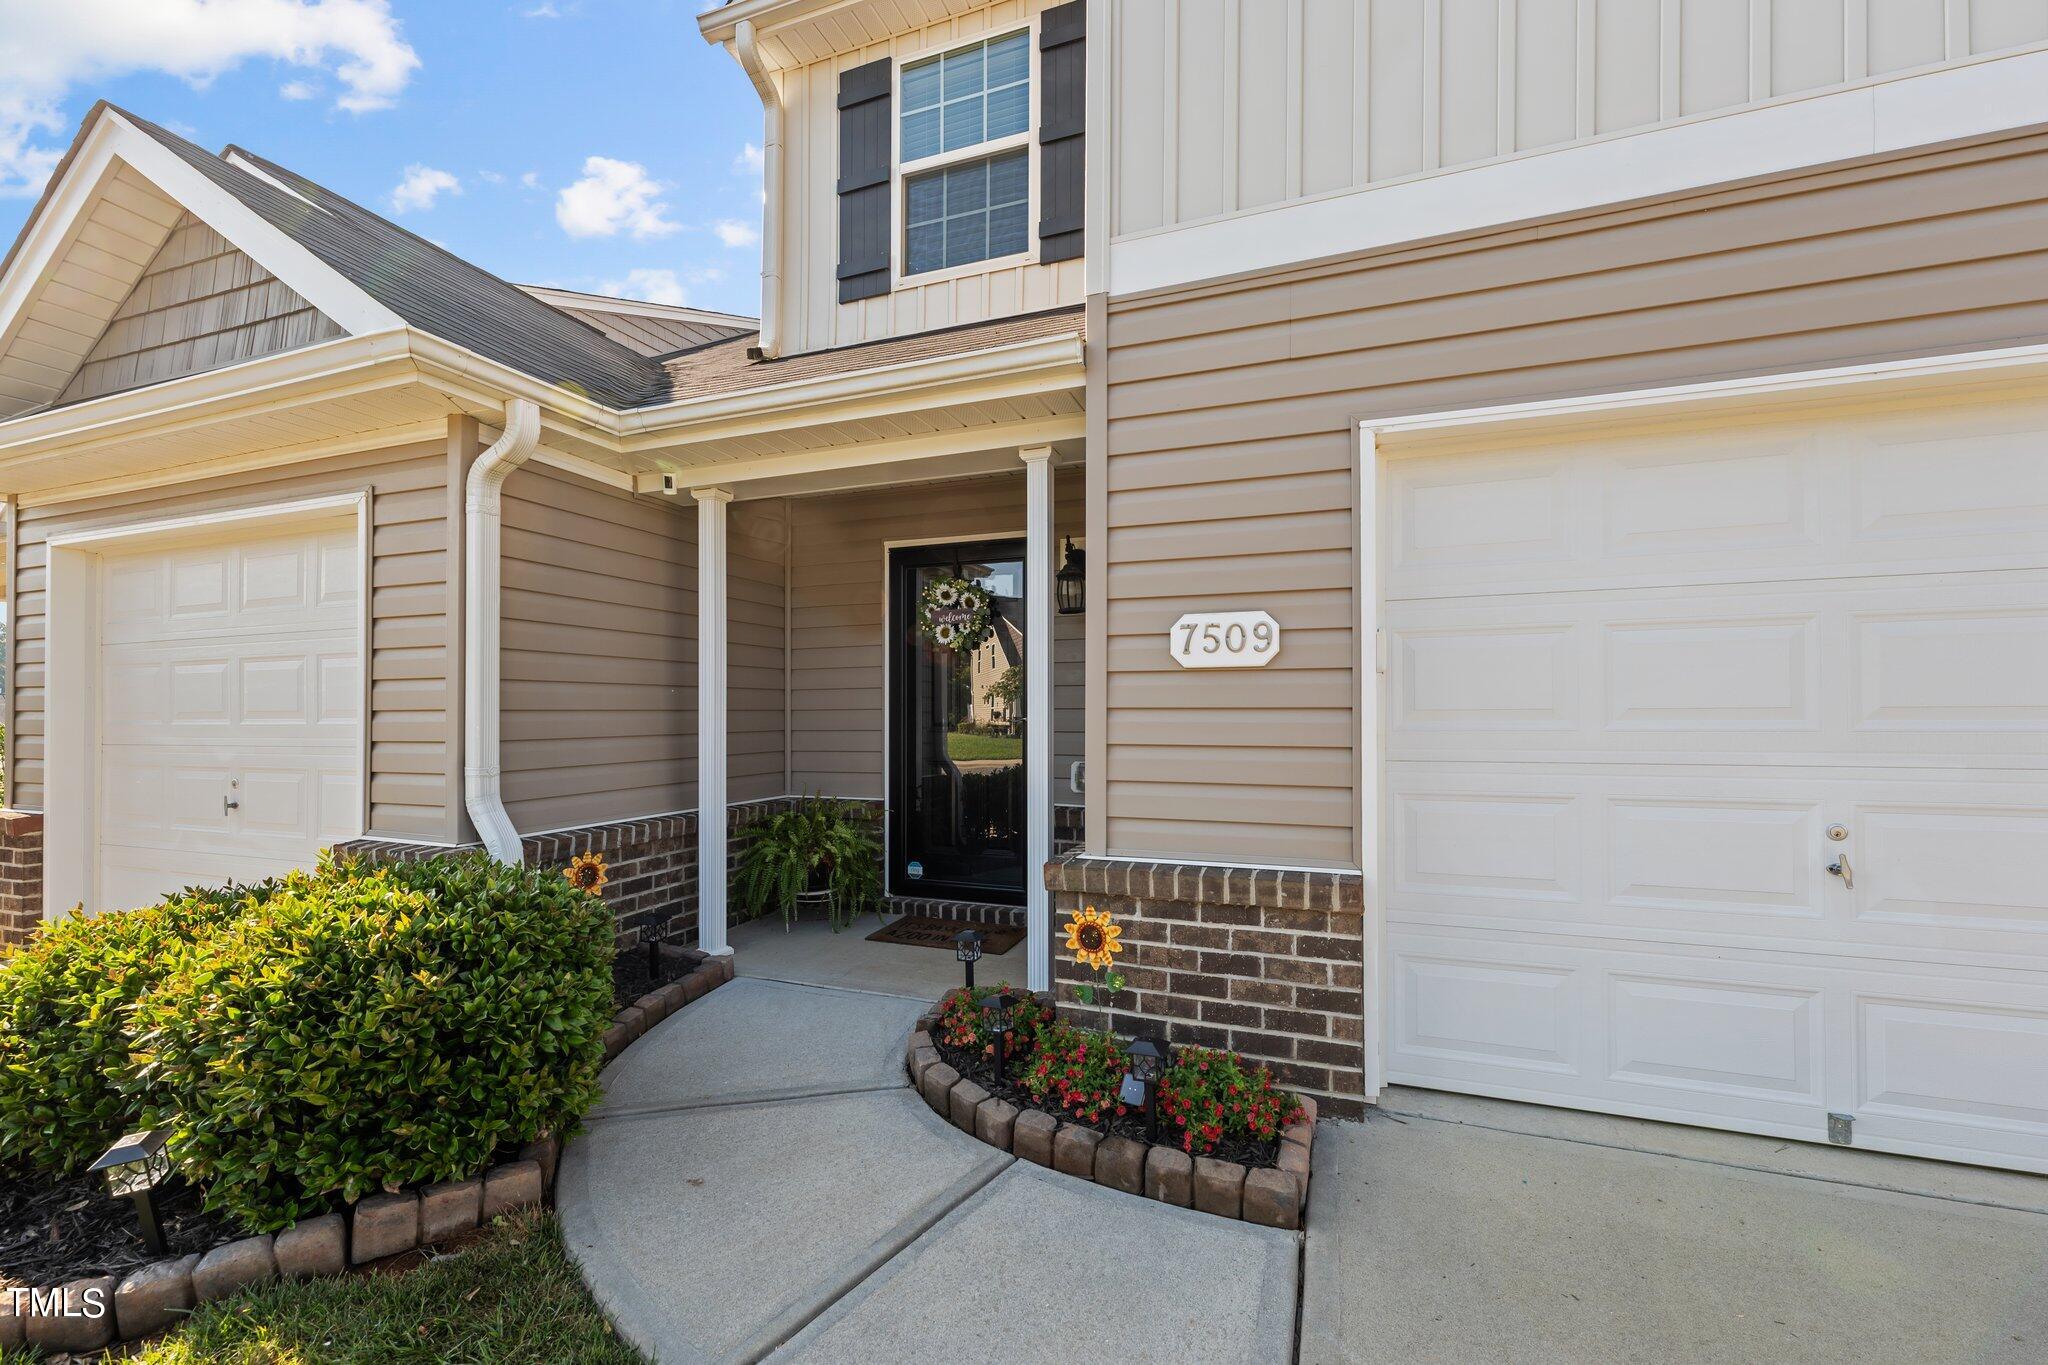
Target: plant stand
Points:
(809, 900)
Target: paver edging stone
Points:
(324, 1244)
(1160, 1171)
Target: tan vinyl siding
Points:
(199, 305)
(1232, 106)
(1231, 410)
(599, 672)
(837, 585)
(415, 779)
(756, 560)
(599, 662)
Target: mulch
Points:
(1251, 1154)
(636, 972)
(928, 931)
(52, 1232)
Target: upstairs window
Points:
(963, 143)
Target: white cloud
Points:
(748, 162)
(421, 187)
(734, 233)
(297, 90)
(491, 177)
(47, 48)
(531, 180)
(544, 10)
(613, 196)
(648, 286)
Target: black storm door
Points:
(956, 728)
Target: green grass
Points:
(513, 1296)
(979, 748)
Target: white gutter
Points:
(482, 778)
(743, 45)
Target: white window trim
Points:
(900, 171)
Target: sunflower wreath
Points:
(954, 613)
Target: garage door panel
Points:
(1927, 1066)
(1633, 686)
(1852, 668)
(230, 724)
(1954, 868)
(1722, 857)
(1728, 1038)
(1957, 670)
(1862, 495)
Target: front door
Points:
(956, 728)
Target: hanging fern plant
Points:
(955, 613)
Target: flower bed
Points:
(1226, 1141)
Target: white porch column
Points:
(1038, 726)
(711, 612)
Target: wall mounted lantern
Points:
(1071, 583)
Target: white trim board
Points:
(1890, 114)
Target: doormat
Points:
(928, 931)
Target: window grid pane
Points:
(962, 214)
(967, 96)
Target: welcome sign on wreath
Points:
(954, 613)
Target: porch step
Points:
(967, 912)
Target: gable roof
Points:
(655, 330)
(431, 289)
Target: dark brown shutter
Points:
(865, 144)
(1062, 110)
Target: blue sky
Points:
(583, 143)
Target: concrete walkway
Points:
(761, 1182)
(1448, 1228)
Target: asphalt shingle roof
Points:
(432, 289)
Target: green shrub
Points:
(368, 1030)
(67, 1088)
(1078, 1071)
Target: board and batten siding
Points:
(1229, 106)
(415, 777)
(200, 304)
(1231, 413)
(813, 317)
(599, 662)
(838, 573)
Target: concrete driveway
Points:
(1458, 1229)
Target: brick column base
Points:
(1266, 963)
(21, 876)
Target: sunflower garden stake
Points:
(1092, 938)
(586, 872)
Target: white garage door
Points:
(230, 732)
(1631, 686)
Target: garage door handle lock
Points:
(1840, 867)
(228, 803)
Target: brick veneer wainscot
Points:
(21, 875)
(1266, 963)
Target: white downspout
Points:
(771, 186)
(482, 778)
